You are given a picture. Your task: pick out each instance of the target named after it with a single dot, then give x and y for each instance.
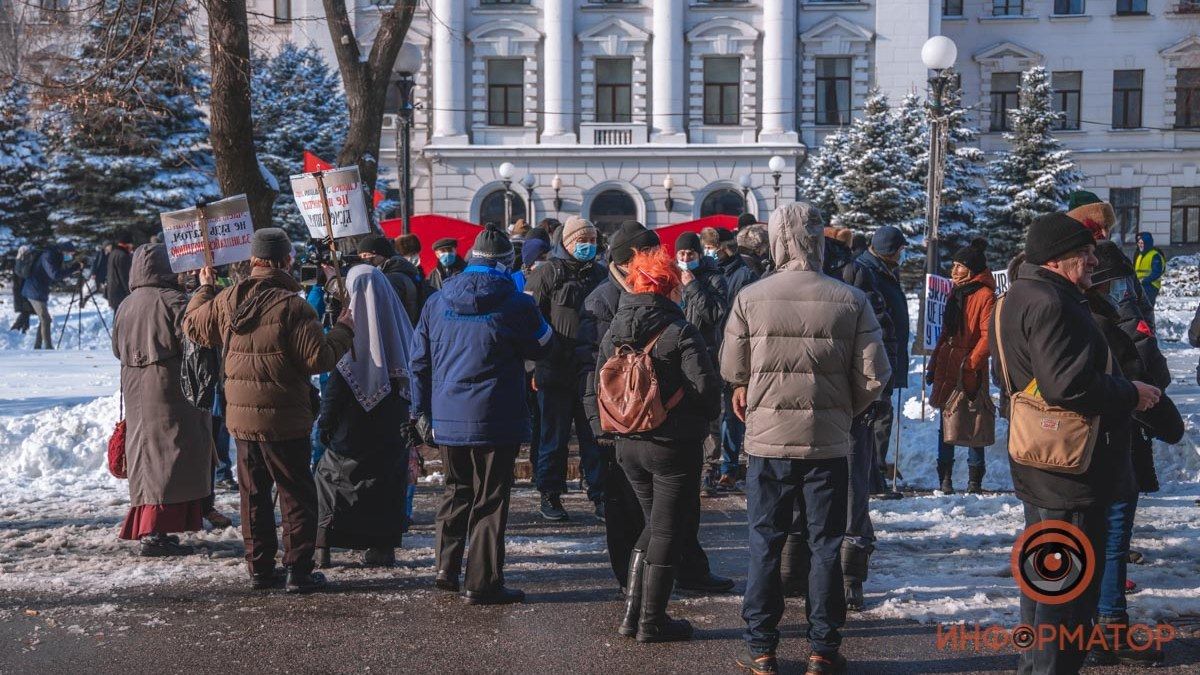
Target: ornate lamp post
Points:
(744, 182)
(506, 173)
(668, 185)
(938, 54)
(530, 182)
(408, 63)
(556, 185)
(776, 164)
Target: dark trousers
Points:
(666, 480)
(221, 441)
(475, 504)
(884, 417)
(733, 433)
(561, 408)
(284, 465)
(860, 531)
(1050, 659)
(774, 490)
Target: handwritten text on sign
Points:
(937, 292)
(229, 234)
(347, 203)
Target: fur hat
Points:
(1096, 215)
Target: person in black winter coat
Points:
(404, 277)
(449, 264)
(662, 464)
(1043, 333)
(116, 277)
(624, 521)
(26, 258)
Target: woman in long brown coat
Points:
(963, 347)
(168, 444)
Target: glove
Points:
(424, 428)
(929, 377)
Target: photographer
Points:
(53, 265)
(376, 250)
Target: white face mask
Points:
(415, 259)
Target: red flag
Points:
(313, 163)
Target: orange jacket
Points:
(968, 347)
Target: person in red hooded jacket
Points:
(963, 348)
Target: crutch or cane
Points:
(899, 415)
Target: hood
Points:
(252, 298)
(401, 265)
(1147, 239)
(641, 316)
(618, 279)
(152, 267)
(797, 238)
(479, 289)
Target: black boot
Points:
(633, 594)
(945, 469)
(793, 566)
(655, 625)
(1133, 649)
(304, 582)
(162, 546)
(379, 556)
(855, 561)
(975, 479)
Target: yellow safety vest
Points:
(1143, 265)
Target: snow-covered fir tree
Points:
(298, 105)
(875, 187)
(22, 202)
(819, 185)
(131, 141)
(1034, 177)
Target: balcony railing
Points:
(604, 133)
(613, 2)
(504, 2)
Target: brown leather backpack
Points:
(627, 392)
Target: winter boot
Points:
(655, 625)
(379, 556)
(633, 594)
(217, 519)
(161, 546)
(501, 595)
(1133, 649)
(945, 469)
(758, 663)
(267, 580)
(552, 508)
(855, 560)
(975, 479)
(304, 582)
(826, 664)
(793, 566)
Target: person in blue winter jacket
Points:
(52, 266)
(468, 398)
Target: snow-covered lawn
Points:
(939, 558)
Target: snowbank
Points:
(89, 331)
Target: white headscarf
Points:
(382, 333)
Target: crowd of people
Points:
(762, 360)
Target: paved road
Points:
(392, 620)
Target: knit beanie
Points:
(270, 243)
(493, 244)
(408, 244)
(1054, 235)
(888, 240)
(745, 220)
(1112, 263)
(376, 244)
(1095, 214)
(629, 238)
(446, 242)
(689, 240)
(575, 228)
(532, 251)
(973, 256)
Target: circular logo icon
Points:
(1053, 562)
(1023, 637)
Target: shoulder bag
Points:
(969, 420)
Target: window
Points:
(1127, 99)
(491, 209)
(1067, 7)
(952, 7)
(833, 91)
(1066, 88)
(722, 89)
(723, 202)
(1185, 215)
(283, 11)
(505, 90)
(1008, 7)
(1127, 7)
(1187, 98)
(54, 11)
(614, 90)
(504, 2)
(611, 208)
(1126, 202)
(1006, 88)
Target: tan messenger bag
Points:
(1041, 435)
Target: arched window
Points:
(491, 210)
(611, 208)
(723, 202)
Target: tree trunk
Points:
(366, 80)
(231, 127)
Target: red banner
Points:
(670, 233)
(431, 227)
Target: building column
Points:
(667, 73)
(558, 121)
(449, 73)
(778, 94)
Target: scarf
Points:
(952, 318)
(382, 334)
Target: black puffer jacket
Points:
(863, 278)
(560, 287)
(706, 303)
(1048, 332)
(680, 360)
(406, 280)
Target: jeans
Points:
(666, 480)
(1116, 559)
(475, 505)
(45, 334)
(1151, 294)
(560, 409)
(774, 489)
(220, 434)
(946, 451)
(733, 433)
(861, 463)
(317, 447)
(1050, 659)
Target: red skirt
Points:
(163, 519)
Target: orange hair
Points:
(653, 271)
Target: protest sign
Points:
(1001, 282)
(344, 195)
(937, 292)
(209, 235)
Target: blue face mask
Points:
(447, 259)
(710, 253)
(690, 266)
(584, 252)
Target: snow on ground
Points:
(939, 557)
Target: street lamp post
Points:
(556, 185)
(744, 182)
(506, 173)
(408, 62)
(938, 54)
(668, 185)
(530, 182)
(776, 164)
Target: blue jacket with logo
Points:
(468, 359)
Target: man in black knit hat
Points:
(1044, 340)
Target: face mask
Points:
(710, 253)
(689, 266)
(415, 260)
(447, 259)
(584, 252)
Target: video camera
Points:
(315, 254)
